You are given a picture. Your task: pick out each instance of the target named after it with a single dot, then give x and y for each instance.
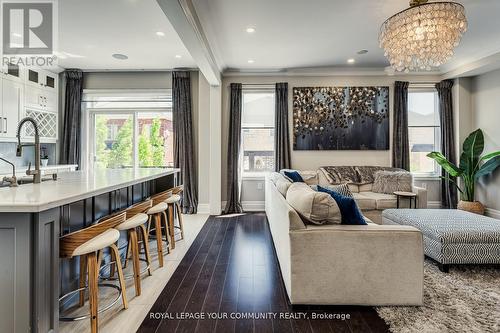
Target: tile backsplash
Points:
(8, 151)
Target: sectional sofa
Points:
(338, 264)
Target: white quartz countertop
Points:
(74, 186)
(21, 171)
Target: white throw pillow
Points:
(314, 207)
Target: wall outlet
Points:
(260, 186)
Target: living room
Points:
(250, 166)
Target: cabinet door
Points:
(34, 98)
(33, 77)
(11, 106)
(12, 72)
(50, 81)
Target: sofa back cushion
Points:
(281, 182)
(314, 207)
(366, 174)
(308, 177)
(389, 182)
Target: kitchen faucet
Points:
(11, 180)
(37, 177)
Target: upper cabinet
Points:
(41, 79)
(28, 92)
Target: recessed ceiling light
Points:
(178, 56)
(120, 56)
(250, 30)
(362, 51)
(351, 61)
(160, 33)
(251, 61)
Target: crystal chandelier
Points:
(423, 36)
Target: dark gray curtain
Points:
(448, 190)
(400, 142)
(183, 139)
(281, 134)
(71, 131)
(233, 204)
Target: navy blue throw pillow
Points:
(294, 176)
(348, 207)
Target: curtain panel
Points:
(71, 131)
(233, 204)
(400, 141)
(449, 197)
(281, 133)
(183, 139)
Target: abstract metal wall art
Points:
(341, 118)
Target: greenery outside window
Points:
(130, 130)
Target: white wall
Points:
(311, 160)
(486, 115)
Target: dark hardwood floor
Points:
(231, 268)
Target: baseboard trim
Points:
(493, 213)
(250, 206)
(434, 204)
(203, 208)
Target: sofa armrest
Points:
(357, 265)
(421, 196)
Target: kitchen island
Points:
(34, 216)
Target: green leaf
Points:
(488, 167)
(451, 168)
(474, 145)
(490, 155)
(452, 182)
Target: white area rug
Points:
(467, 299)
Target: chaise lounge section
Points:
(339, 264)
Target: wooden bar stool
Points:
(155, 213)
(134, 225)
(85, 243)
(173, 203)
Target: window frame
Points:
(256, 89)
(89, 113)
(437, 130)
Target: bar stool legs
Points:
(121, 279)
(145, 246)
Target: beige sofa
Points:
(371, 203)
(344, 265)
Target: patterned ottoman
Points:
(452, 236)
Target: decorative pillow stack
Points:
(348, 208)
(314, 207)
(389, 182)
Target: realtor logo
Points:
(27, 28)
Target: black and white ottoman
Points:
(452, 236)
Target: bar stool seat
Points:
(173, 199)
(133, 222)
(97, 243)
(158, 208)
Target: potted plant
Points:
(472, 167)
(44, 159)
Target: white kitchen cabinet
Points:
(41, 99)
(39, 78)
(12, 72)
(12, 107)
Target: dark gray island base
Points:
(32, 276)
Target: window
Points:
(423, 130)
(257, 126)
(129, 129)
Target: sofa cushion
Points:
(354, 188)
(348, 207)
(365, 187)
(309, 177)
(314, 207)
(391, 181)
(364, 202)
(382, 200)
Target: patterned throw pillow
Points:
(389, 182)
(342, 189)
(348, 208)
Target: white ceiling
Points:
(90, 31)
(325, 33)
